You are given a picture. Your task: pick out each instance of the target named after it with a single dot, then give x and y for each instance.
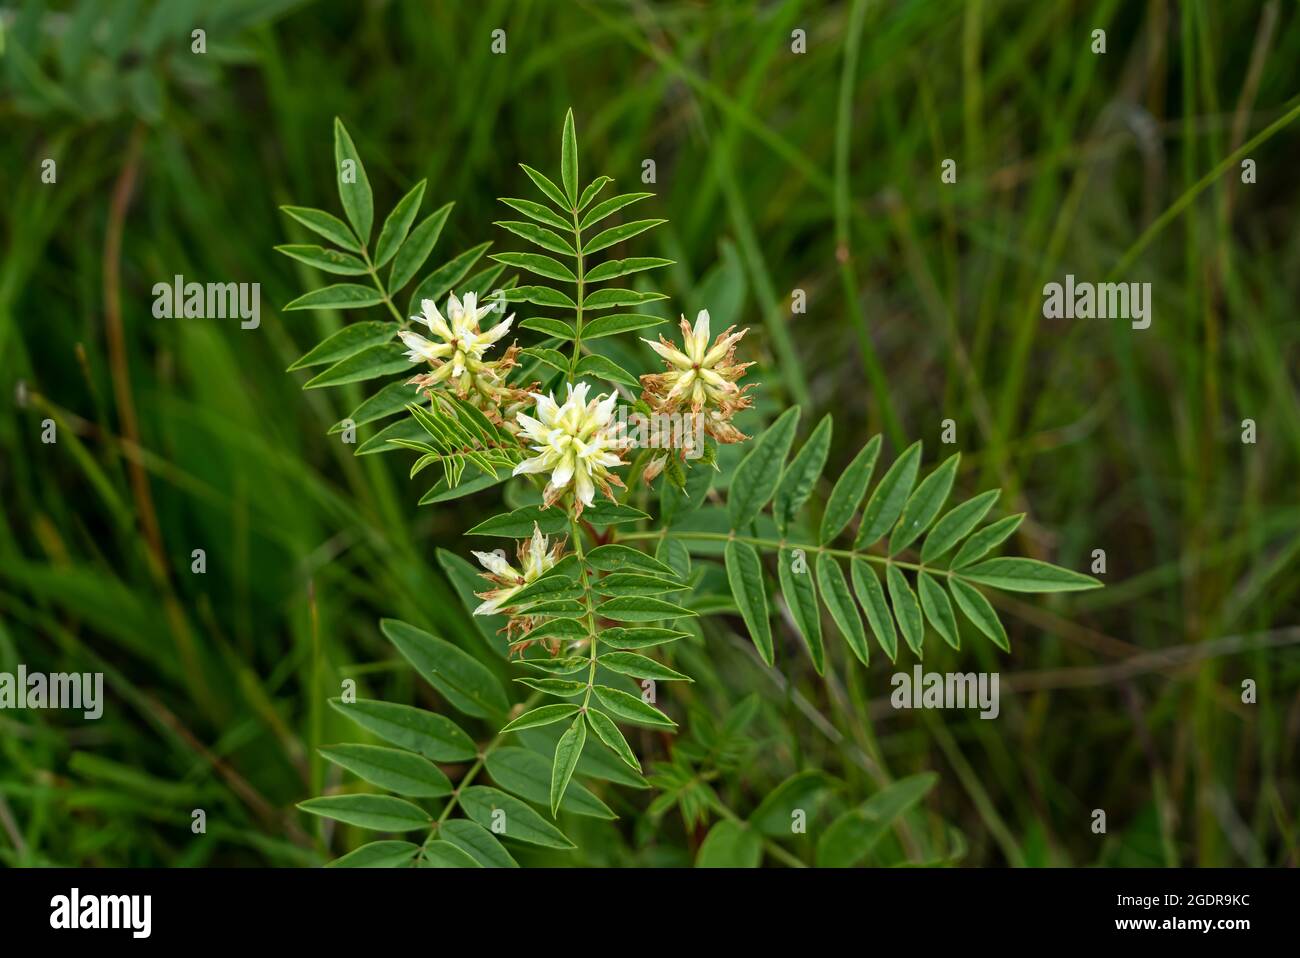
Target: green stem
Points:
(590, 616)
(471, 775)
(577, 329)
(374, 278)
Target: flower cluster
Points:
(457, 356)
(578, 442)
(537, 556)
(700, 377)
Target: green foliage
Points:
(898, 506)
(362, 351)
(923, 299)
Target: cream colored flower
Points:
(700, 376)
(577, 442)
(536, 558)
(457, 357)
(462, 344)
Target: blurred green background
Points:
(778, 171)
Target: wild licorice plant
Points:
(588, 605)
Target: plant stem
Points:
(577, 329)
(589, 619)
(471, 775)
(374, 278)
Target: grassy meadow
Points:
(804, 199)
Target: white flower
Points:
(536, 558)
(577, 442)
(463, 343)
